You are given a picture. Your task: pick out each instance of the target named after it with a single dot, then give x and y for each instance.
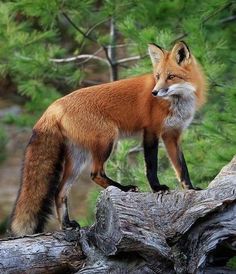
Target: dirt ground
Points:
(10, 172)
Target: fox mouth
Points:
(176, 90)
(161, 92)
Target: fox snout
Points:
(160, 92)
(182, 89)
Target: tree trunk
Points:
(112, 51)
(175, 232)
(42, 253)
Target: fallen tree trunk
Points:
(42, 253)
(176, 232)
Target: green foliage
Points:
(232, 263)
(29, 38)
(91, 205)
(32, 34)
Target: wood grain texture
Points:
(175, 232)
(183, 232)
(41, 253)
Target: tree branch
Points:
(91, 39)
(228, 19)
(89, 31)
(78, 29)
(216, 12)
(110, 59)
(78, 57)
(87, 58)
(129, 59)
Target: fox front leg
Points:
(150, 145)
(172, 144)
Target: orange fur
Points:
(38, 172)
(93, 118)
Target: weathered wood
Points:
(41, 253)
(176, 232)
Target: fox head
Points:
(175, 71)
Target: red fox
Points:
(82, 127)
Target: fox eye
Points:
(171, 76)
(158, 76)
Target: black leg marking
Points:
(184, 177)
(121, 187)
(99, 176)
(150, 145)
(67, 223)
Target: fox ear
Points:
(156, 53)
(181, 53)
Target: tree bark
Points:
(42, 253)
(175, 232)
(112, 51)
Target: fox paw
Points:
(162, 188)
(130, 188)
(197, 188)
(71, 225)
(187, 187)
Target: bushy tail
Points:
(40, 178)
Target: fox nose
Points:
(161, 91)
(154, 92)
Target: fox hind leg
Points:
(62, 209)
(75, 161)
(100, 154)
